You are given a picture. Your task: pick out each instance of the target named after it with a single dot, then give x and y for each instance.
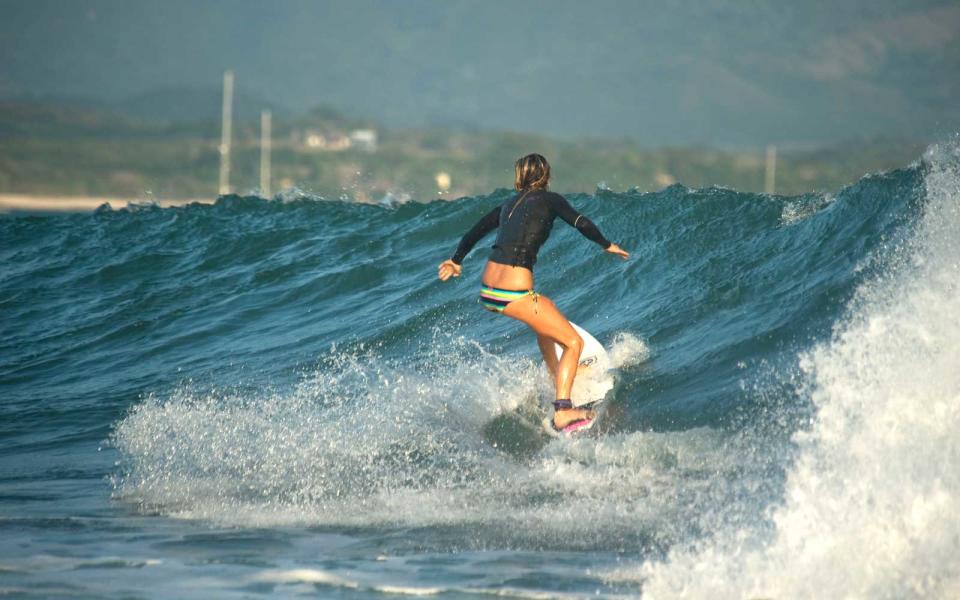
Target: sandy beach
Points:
(33, 203)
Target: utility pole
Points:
(265, 126)
(770, 174)
(226, 132)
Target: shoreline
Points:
(50, 203)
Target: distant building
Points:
(664, 179)
(332, 142)
(443, 181)
(365, 139)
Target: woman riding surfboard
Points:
(524, 222)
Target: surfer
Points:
(524, 223)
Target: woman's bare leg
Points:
(547, 349)
(546, 320)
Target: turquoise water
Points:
(278, 397)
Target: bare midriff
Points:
(507, 277)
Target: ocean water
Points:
(277, 398)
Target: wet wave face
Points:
(783, 421)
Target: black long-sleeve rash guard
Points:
(525, 222)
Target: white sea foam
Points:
(371, 443)
(799, 209)
(366, 580)
(627, 350)
(870, 506)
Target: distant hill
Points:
(183, 104)
(715, 72)
(53, 120)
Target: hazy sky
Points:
(704, 71)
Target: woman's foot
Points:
(565, 416)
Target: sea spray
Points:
(365, 441)
(870, 507)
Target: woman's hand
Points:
(448, 269)
(615, 249)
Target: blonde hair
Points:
(532, 172)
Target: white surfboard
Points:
(593, 379)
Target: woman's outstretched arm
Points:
(584, 225)
(485, 225)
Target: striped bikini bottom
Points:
(496, 299)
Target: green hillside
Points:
(60, 150)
